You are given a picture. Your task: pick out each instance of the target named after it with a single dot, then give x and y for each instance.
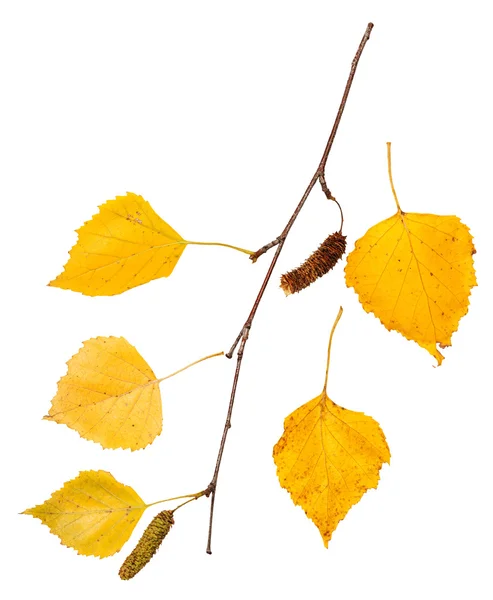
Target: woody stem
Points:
(242, 338)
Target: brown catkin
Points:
(150, 541)
(318, 264)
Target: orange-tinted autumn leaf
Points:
(125, 245)
(328, 457)
(415, 273)
(93, 513)
(109, 395)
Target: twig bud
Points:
(148, 544)
(318, 264)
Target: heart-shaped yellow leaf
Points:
(328, 457)
(415, 273)
(125, 245)
(109, 395)
(93, 513)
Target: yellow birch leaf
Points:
(415, 273)
(328, 457)
(109, 395)
(125, 245)
(93, 513)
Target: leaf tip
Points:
(55, 282)
(433, 350)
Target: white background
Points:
(217, 113)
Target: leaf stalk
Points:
(389, 166)
(250, 252)
(190, 365)
(189, 496)
(339, 315)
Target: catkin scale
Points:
(317, 265)
(148, 544)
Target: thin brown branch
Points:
(242, 338)
(227, 425)
(320, 172)
(196, 497)
(233, 347)
(253, 257)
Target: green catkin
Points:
(317, 265)
(148, 544)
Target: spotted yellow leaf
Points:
(123, 246)
(328, 457)
(415, 273)
(109, 395)
(93, 513)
